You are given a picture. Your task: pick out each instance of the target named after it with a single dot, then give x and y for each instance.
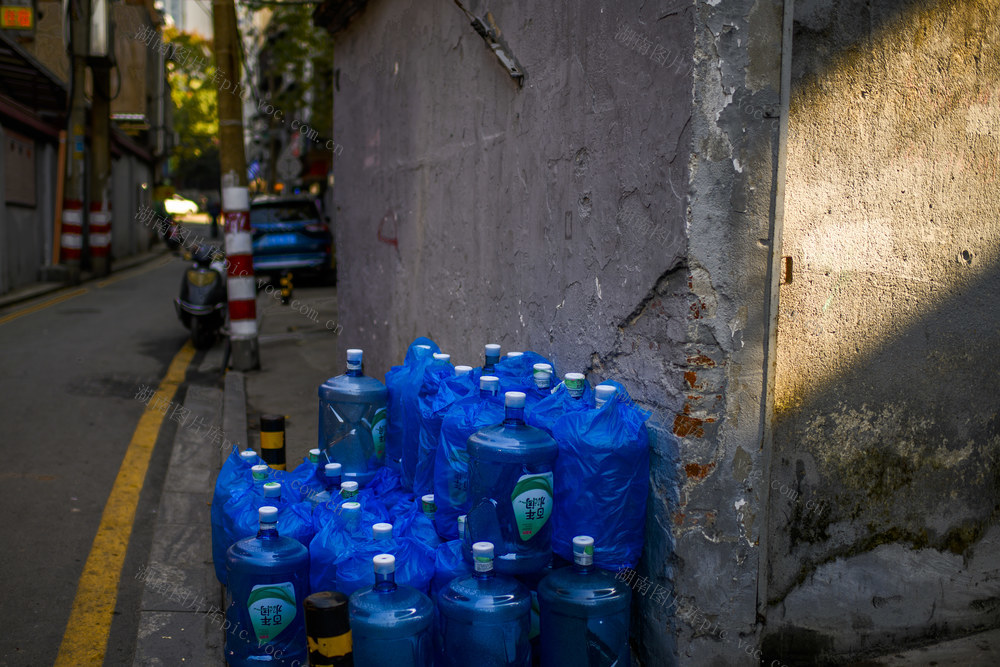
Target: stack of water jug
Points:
(473, 516)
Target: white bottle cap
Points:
(272, 490)
(427, 504)
(381, 531)
(314, 456)
(268, 514)
(514, 399)
(332, 470)
(384, 564)
(489, 383)
(441, 357)
(248, 455)
(354, 354)
(603, 393)
(574, 384)
(259, 471)
(462, 370)
(542, 374)
(511, 355)
(482, 556)
(492, 350)
(423, 347)
(583, 550)
(351, 508)
(349, 487)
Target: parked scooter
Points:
(202, 303)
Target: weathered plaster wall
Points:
(887, 396)
(733, 169)
(549, 218)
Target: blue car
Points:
(290, 234)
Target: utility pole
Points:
(244, 347)
(99, 222)
(72, 214)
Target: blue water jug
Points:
(268, 579)
(390, 623)
(417, 521)
(397, 384)
(451, 468)
(415, 558)
(573, 394)
(332, 478)
(484, 617)
(511, 490)
(451, 389)
(425, 426)
(234, 478)
(584, 614)
(492, 358)
(352, 421)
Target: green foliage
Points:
(196, 114)
(296, 66)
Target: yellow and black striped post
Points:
(286, 288)
(272, 440)
(328, 630)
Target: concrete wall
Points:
(886, 397)
(128, 235)
(549, 218)
(26, 231)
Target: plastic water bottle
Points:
(451, 467)
(603, 393)
(584, 614)
(510, 487)
(485, 617)
(233, 479)
(542, 376)
(331, 485)
(268, 579)
(390, 623)
(418, 456)
(352, 421)
(492, 354)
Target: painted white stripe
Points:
(240, 328)
(71, 241)
(73, 216)
(235, 199)
(241, 289)
(100, 240)
(239, 244)
(100, 217)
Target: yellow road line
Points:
(44, 304)
(86, 638)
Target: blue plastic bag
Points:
(451, 467)
(234, 478)
(294, 517)
(336, 537)
(397, 382)
(518, 373)
(323, 512)
(547, 411)
(448, 564)
(414, 563)
(410, 520)
(418, 461)
(387, 488)
(601, 481)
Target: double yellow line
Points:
(86, 638)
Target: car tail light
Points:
(316, 228)
(201, 278)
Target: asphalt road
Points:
(69, 374)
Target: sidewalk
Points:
(182, 607)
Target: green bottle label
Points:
(532, 499)
(379, 422)
(272, 608)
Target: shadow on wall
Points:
(885, 479)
